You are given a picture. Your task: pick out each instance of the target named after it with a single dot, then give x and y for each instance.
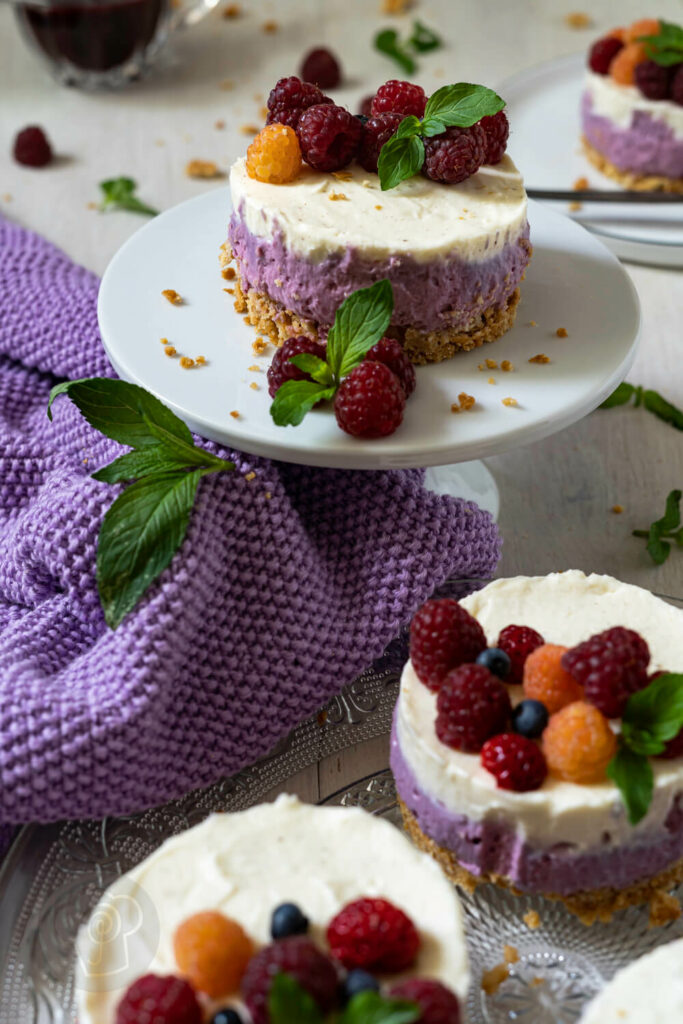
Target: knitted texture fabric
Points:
(271, 605)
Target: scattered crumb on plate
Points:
(170, 351)
(580, 184)
(186, 362)
(395, 6)
(259, 346)
(510, 401)
(506, 366)
(493, 979)
(234, 413)
(510, 954)
(540, 358)
(229, 273)
(578, 19)
(464, 404)
(562, 332)
(203, 169)
(269, 27)
(173, 297)
(532, 919)
(617, 509)
(336, 197)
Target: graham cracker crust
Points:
(589, 906)
(629, 180)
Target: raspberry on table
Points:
(403, 97)
(438, 1005)
(376, 131)
(546, 681)
(390, 352)
(676, 89)
(602, 53)
(610, 666)
(623, 66)
(289, 98)
(455, 154)
(32, 148)
(275, 155)
(329, 136)
(373, 934)
(159, 1000)
(281, 369)
(212, 951)
(497, 130)
(443, 635)
(516, 762)
(578, 743)
(321, 67)
(298, 957)
(471, 706)
(518, 642)
(370, 401)
(653, 80)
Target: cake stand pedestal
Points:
(468, 480)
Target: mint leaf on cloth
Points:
(118, 194)
(620, 396)
(289, 1003)
(632, 773)
(423, 38)
(651, 400)
(664, 531)
(388, 42)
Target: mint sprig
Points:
(118, 194)
(360, 321)
(453, 106)
(632, 773)
(146, 524)
(650, 400)
(422, 40)
(665, 531)
(665, 48)
(289, 1003)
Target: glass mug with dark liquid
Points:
(91, 43)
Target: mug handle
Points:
(190, 15)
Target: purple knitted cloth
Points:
(267, 610)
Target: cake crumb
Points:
(232, 11)
(492, 380)
(535, 982)
(664, 907)
(395, 6)
(342, 175)
(258, 96)
(578, 19)
(464, 404)
(249, 129)
(226, 84)
(230, 291)
(510, 954)
(580, 184)
(250, 476)
(532, 919)
(235, 415)
(89, 206)
(268, 495)
(259, 346)
(200, 361)
(170, 351)
(164, 341)
(491, 364)
(506, 366)
(337, 196)
(278, 282)
(173, 297)
(254, 386)
(574, 207)
(263, 111)
(493, 979)
(269, 27)
(219, 125)
(540, 358)
(378, 206)
(562, 332)
(7, 198)
(617, 509)
(203, 169)
(229, 273)
(510, 401)
(186, 362)
(254, 368)
(532, 323)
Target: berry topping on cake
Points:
(289, 98)
(442, 636)
(610, 666)
(497, 130)
(529, 718)
(329, 136)
(623, 66)
(31, 147)
(357, 981)
(643, 27)
(471, 706)
(299, 958)
(677, 86)
(602, 53)
(516, 762)
(653, 80)
(390, 352)
(156, 1000)
(518, 642)
(455, 154)
(321, 67)
(578, 743)
(212, 952)
(496, 661)
(373, 934)
(281, 369)
(228, 1016)
(275, 155)
(674, 748)
(370, 401)
(546, 681)
(288, 920)
(403, 97)
(438, 1005)
(376, 131)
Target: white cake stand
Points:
(573, 282)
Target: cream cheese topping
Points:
(618, 103)
(423, 219)
(244, 865)
(565, 608)
(648, 991)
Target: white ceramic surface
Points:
(543, 107)
(573, 282)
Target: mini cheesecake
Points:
(648, 991)
(563, 840)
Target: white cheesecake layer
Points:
(649, 991)
(423, 219)
(244, 865)
(565, 608)
(618, 103)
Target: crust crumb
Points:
(203, 169)
(617, 509)
(510, 402)
(493, 979)
(491, 364)
(235, 415)
(540, 358)
(186, 362)
(173, 297)
(230, 291)
(337, 196)
(574, 207)
(164, 341)
(510, 954)
(219, 125)
(254, 386)
(170, 351)
(7, 198)
(229, 273)
(532, 919)
(249, 129)
(250, 476)
(532, 323)
(269, 27)
(268, 495)
(562, 332)
(254, 368)
(259, 346)
(342, 175)
(506, 366)
(535, 982)
(201, 361)
(464, 404)
(664, 907)
(395, 6)
(232, 11)
(578, 19)
(226, 84)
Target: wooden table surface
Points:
(557, 495)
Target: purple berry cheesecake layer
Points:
(493, 848)
(428, 296)
(646, 147)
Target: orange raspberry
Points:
(623, 67)
(618, 33)
(644, 27)
(547, 681)
(578, 743)
(212, 951)
(275, 155)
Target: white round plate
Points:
(543, 107)
(573, 282)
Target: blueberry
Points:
(529, 718)
(496, 661)
(227, 1016)
(358, 981)
(288, 920)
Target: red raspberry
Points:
(281, 370)
(155, 1000)
(497, 129)
(373, 934)
(370, 401)
(321, 67)
(376, 132)
(390, 352)
(602, 53)
(455, 155)
(610, 666)
(517, 762)
(365, 106)
(298, 957)
(518, 642)
(289, 98)
(471, 706)
(32, 148)
(676, 92)
(442, 636)
(329, 136)
(403, 97)
(653, 80)
(438, 1005)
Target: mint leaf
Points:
(289, 1003)
(316, 367)
(664, 530)
(399, 158)
(408, 127)
(653, 716)
(424, 39)
(623, 394)
(666, 48)
(463, 104)
(295, 398)
(372, 1008)
(360, 321)
(387, 42)
(664, 410)
(632, 773)
(118, 195)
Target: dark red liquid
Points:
(95, 38)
